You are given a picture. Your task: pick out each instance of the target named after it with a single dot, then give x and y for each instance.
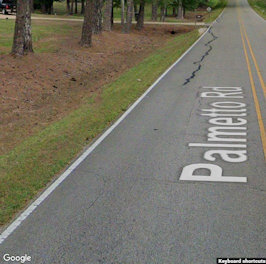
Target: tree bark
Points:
(97, 16)
(128, 24)
(72, 7)
(140, 21)
(86, 36)
(22, 43)
(68, 6)
(180, 11)
(122, 13)
(154, 10)
(162, 18)
(107, 22)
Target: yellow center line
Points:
(254, 60)
(256, 101)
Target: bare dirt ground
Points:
(39, 89)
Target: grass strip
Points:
(41, 30)
(29, 167)
(259, 6)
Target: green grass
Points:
(30, 166)
(45, 34)
(259, 6)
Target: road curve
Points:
(137, 198)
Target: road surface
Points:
(182, 178)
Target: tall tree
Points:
(68, 6)
(180, 14)
(154, 10)
(97, 16)
(122, 13)
(86, 36)
(72, 7)
(163, 13)
(128, 24)
(22, 43)
(107, 22)
(140, 21)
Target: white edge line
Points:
(12, 227)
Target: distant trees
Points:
(22, 42)
(154, 10)
(46, 6)
(98, 15)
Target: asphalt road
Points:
(125, 203)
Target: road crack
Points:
(208, 44)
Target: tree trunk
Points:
(128, 24)
(72, 7)
(107, 22)
(68, 6)
(140, 21)
(76, 6)
(86, 37)
(154, 10)
(112, 19)
(180, 11)
(122, 13)
(82, 7)
(22, 43)
(174, 12)
(162, 18)
(97, 16)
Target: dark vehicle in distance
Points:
(7, 6)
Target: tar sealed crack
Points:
(208, 44)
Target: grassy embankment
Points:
(29, 167)
(259, 6)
